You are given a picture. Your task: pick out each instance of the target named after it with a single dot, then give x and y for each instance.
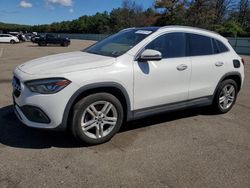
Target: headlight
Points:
(47, 86)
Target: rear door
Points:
(208, 66)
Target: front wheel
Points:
(225, 96)
(97, 118)
(12, 41)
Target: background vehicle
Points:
(28, 36)
(35, 38)
(8, 38)
(51, 39)
(135, 73)
(21, 37)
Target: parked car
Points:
(35, 38)
(28, 36)
(21, 37)
(8, 38)
(132, 74)
(51, 39)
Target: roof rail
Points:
(127, 29)
(187, 27)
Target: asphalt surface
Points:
(191, 148)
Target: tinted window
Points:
(170, 45)
(215, 47)
(221, 46)
(50, 36)
(200, 45)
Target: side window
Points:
(50, 36)
(215, 47)
(221, 46)
(200, 45)
(170, 45)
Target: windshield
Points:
(119, 43)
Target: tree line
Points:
(227, 17)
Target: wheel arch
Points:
(236, 76)
(113, 88)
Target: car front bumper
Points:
(44, 111)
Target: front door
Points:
(165, 81)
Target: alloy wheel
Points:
(99, 119)
(227, 96)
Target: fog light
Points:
(35, 114)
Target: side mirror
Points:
(150, 55)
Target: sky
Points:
(33, 12)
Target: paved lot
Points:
(191, 148)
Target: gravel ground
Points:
(191, 148)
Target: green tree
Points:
(230, 29)
(173, 11)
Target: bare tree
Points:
(221, 9)
(244, 10)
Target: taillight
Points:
(242, 61)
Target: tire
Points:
(42, 43)
(12, 41)
(83, 112)
(221, 98)
(65, 44)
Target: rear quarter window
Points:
(221, 46)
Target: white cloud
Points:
(25, 4)
(71, 10)
(66, 3)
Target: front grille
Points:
(16, 84)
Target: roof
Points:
(155, 28)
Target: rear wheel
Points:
(97, 118)
(65, 44)
(226, 96)
(42, 43)
(12, 41)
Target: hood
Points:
(65, 62)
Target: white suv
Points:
(132, 74)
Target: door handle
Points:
(219, 64)
(182, 67)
